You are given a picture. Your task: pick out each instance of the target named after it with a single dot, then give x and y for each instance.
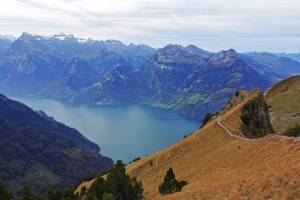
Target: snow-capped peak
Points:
(62, 36)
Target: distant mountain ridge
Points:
(274, 66)
(5, 42)
(67, 47)
(176, 79)
(91, 72)
(37, 150)
(294, 56)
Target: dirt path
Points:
(243, 138)
(229, 132)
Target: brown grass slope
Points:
(217, 165)
(284, 101)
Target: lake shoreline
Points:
(122, 132)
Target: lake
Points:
(122, 132)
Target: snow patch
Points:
(164, 67)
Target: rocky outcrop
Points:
(255, 118)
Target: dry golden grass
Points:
(218, 166)
(284, 99)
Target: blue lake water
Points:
(122, 132)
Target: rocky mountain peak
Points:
(224, 58)
(174, 53)
(114, 42)
(192, 49)
(62, 36)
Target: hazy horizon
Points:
(264, 26)
(128, 43)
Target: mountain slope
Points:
(218, 163)
(178, 79)
(274, 67)
(39, 65)
(294, 56)
(187, 80)
(284, 101)
(5, 43)
(67, 47)
(37, 150)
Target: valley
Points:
(149, 100)
(139, 103)
(85, 72)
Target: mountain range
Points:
(239, 153)
(294, 56)
(97, 73)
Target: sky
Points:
(245, 25)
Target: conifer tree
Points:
(4, 193)
(170, 184)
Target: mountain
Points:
(5, 43)
(90, 72)
(67, 47)
(221, 161)
(284, 97)
(294, 56)
(178, 79)
(43, 66)
(37, 150)
(272, 66)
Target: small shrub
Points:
(108, 196)
(28, 194)
(170, 184)
(85, 179)
(293, 132)
(136, 159)
(188, 135)
(66, 194)
(206, 118)
(237, 93)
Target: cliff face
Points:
(255, 118)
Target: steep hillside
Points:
(178, 79)
(37, 150)
(218, 162)
(284, 101)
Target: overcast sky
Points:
(245, 25)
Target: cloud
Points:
(269, 25)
